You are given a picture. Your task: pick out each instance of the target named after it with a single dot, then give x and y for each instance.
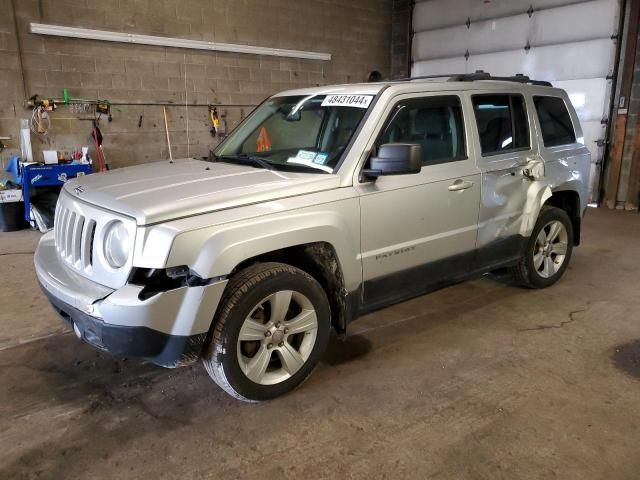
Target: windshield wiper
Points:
(244, 159)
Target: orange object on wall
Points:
(263, 144)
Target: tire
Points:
(264, 341)
(530, 272)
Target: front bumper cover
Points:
(160, 348)
(169, 328)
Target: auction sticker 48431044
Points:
(359, 101)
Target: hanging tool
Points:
(166, 129)
(215, 120)
(2, 145)
(40, 120)
(103, 107)
(96, 134)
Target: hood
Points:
(161, 191)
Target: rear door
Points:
(502, 138)
(419, 230)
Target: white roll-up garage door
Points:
(570, 43)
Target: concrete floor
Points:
(482, 380)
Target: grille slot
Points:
(68, 236)
(77, 237)
(87, 244)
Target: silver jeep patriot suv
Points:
(324, 204)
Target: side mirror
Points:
(395, 159)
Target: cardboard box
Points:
(8, 196)
(11, 212)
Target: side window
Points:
(502, 123)
(555, 122)
(434, 123)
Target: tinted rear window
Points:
(555, 122)
(502, 123)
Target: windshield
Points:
(297, 132)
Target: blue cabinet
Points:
(48, 176)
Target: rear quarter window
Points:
(555, 121)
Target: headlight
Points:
(116, 244)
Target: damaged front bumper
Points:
(169, 328)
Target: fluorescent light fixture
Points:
(121, 37)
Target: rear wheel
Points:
(548, 250)
(271, 329)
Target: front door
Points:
(419, 230)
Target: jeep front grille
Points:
(74, 234)
(79, 230)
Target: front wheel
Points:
(271, 329)
(548, 250)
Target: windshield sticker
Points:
(359, 101)
(305, 155)
(311, 159)
(321, 158)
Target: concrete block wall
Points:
(400, 38)
(138, 78)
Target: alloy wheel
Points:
(550, 249)
(277, 337)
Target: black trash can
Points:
(11, 216)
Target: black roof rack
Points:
(478, 75)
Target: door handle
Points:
(460, 185)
